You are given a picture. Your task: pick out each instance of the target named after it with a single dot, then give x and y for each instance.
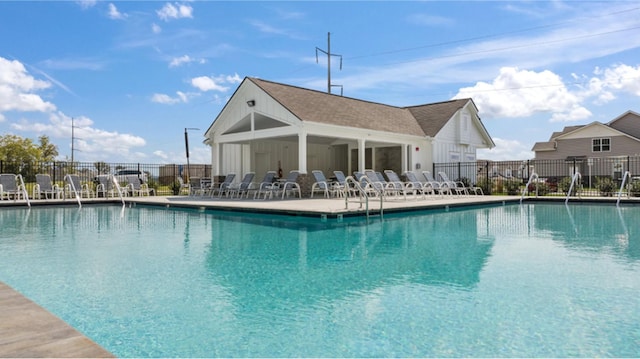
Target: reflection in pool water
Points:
(517, 280)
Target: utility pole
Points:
(329, 54)
(72, 138)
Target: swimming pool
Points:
(526, 280)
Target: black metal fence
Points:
(158, 176)
(598, 176)
(602, 176)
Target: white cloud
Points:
(522, 93)
(155, 28)
(17, 89)
(205, 83)
(506, 150)
(94, 143)
(114, 13)
(85, 4)
(181, 97)
(170, 11)
(179, 61)
(430, 20)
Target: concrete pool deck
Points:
(28, 330)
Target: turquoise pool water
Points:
(533, 280)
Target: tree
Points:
(48, 151)
(18, 150)
(102, 167)
(19, 155)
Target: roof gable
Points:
(594, 129)
(433, 117)
(316, 106)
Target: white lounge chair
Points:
(418, 185)
(290, 185)
(11, 186)
(224, 186)
(457, 186)
(137, 188)
(107, 187)
(330, 189)
(73, 187)
(438, 187)
(266, 186)
(44, 187)
(243, 187)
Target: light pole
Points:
(186, 146)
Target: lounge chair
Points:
(341, 183)
(199, 186)
(9, 187)
(136, 187)
(44, 187)
(379, 183)
(266, 186)
(184, 187)
(224, 186)
(107, 187)
(457, 186)
(417, 185)
(243, 187)
(74, 187)
(322, 185)
(290, 185)
(396, 186)
(438, 187)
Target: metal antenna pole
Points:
(328, 62)
(329, 54)
(72, 138)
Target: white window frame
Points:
(600, 145)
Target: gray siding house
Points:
(585, 147)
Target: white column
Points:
(361, 154)
(302, 152)
(216, 158)
(404, 157)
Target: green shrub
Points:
(605, 186)
(512, 187)
(565, 185)
(175, 188)
(634, 189)
(485, 184)
(543, 188)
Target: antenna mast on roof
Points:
(329, 54)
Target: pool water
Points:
(532, 280)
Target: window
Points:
(601, 144)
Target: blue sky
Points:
(133, 74)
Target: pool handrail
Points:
(575, 177)
(72, 186)
(526, 188)
(627, 174)
(361, 193)
(25, 194)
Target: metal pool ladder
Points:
(576, 176)
(627, 174)
(363, 196)
(526, 188)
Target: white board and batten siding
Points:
(458, 140)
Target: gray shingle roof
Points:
(321, 107)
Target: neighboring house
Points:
(584, 147)
(270, 126)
